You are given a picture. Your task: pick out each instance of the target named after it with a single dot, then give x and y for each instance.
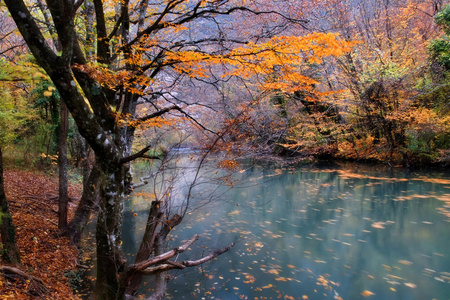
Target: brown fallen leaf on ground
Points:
(44, 255)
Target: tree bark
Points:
(88, 201)
(62, 164)
(110, 258)
(10, 252)
(90, 35)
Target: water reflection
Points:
(319, 232)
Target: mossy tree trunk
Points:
(10, 252)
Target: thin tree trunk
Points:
(87, 204)
(10, 252)
(62, 161)
(147, 245)
(156, 232)
(90, 34)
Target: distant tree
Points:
(9, 121)
(440, 48)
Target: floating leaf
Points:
(367, 293)
(378, 225)
(291, 266)
(259, 245)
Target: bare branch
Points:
(77, 5)
(192, 263)
(160, 113)
(170, 265)
(165, 256)
(140, 154)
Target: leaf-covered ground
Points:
(44, 254)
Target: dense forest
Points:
(90, 86)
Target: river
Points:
(341, 231)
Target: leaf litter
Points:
(43, 253)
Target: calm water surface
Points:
(317, 232)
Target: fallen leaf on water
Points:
(281, 279)
(259, 245)
(367, 293)
(320, 261)
(395, 277)
(235, 212)
(378, 225)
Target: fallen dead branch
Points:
(34, 285)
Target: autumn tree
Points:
(440, 48)
(14, 113)
(10, 252)
(144, 54)
(369, 112)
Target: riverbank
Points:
(45, 256)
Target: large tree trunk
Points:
(62, 163)
(110, 258)
(10, 252)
